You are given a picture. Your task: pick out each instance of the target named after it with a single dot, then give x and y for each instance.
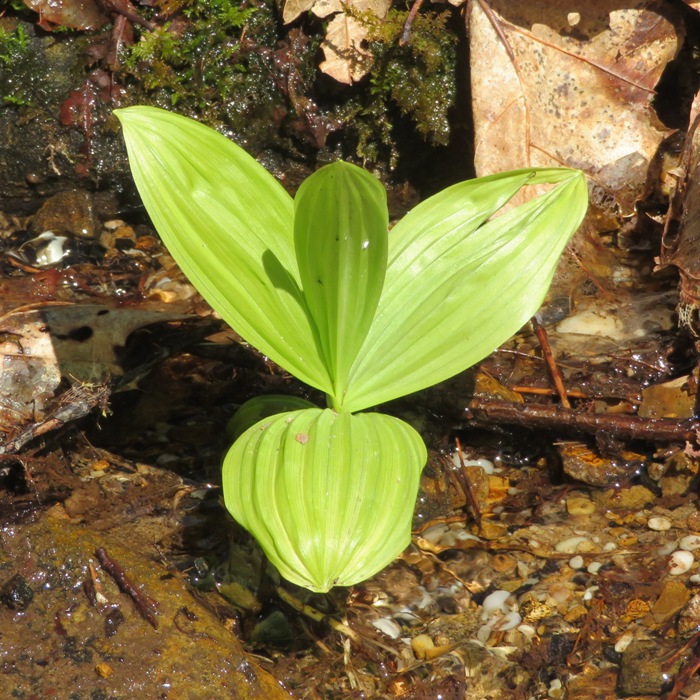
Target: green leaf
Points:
(329, 496)
(254, 410)
(341, 239)
(229, 225)
(456, 288)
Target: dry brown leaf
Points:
(558, 82)
(293, 8)
(323, 8)
(346, 59)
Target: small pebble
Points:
(623, 641)
(503, 562)
(388, 626)
(594, 567)
(609, 546)
(486, 464)
(576, 562)
(555, 689)
(420, 645)
(680, 562)
(494, 602)
(578, 505)
(527, 631)
(559, 591)
(435, 533)
(659, 523)
(590, 592)
(509, 621)
(693, 522)
(689, 542)
(571, 545)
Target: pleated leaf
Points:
(341, 239)
(229, 225)
(329, 496)
(456, 288)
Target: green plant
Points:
(322, 287)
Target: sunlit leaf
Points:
(229, 225)
(329, 496)
(454, 290)
(340, 237)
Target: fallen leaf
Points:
(294, 8)
(570, 83)
(346, 59)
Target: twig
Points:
(467, 486)
(406, 34)
(486, 9)
(562, 419)
(541, 333)
(543, 391)
(144, 604)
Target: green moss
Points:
(237, 68)
(417, 78)
(13, 48)
(13, 44)
(193, 58)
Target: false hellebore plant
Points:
(320, 285)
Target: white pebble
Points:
(486, 464)
(594, 567)
(659, 523)
(388, 627)
(689, 543)
(507, 622)
(494, 602)
(609, 546)
(527, 631)
(435, 533)
(570, 545)
(680, 562)
(623, 641)
(555, 689)
(590, 592)
(576, 562)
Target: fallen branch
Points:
(562, 419)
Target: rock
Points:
(674, 596)
(644, 669)
(72, 211)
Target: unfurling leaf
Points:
(340, 238)
(329, 496)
